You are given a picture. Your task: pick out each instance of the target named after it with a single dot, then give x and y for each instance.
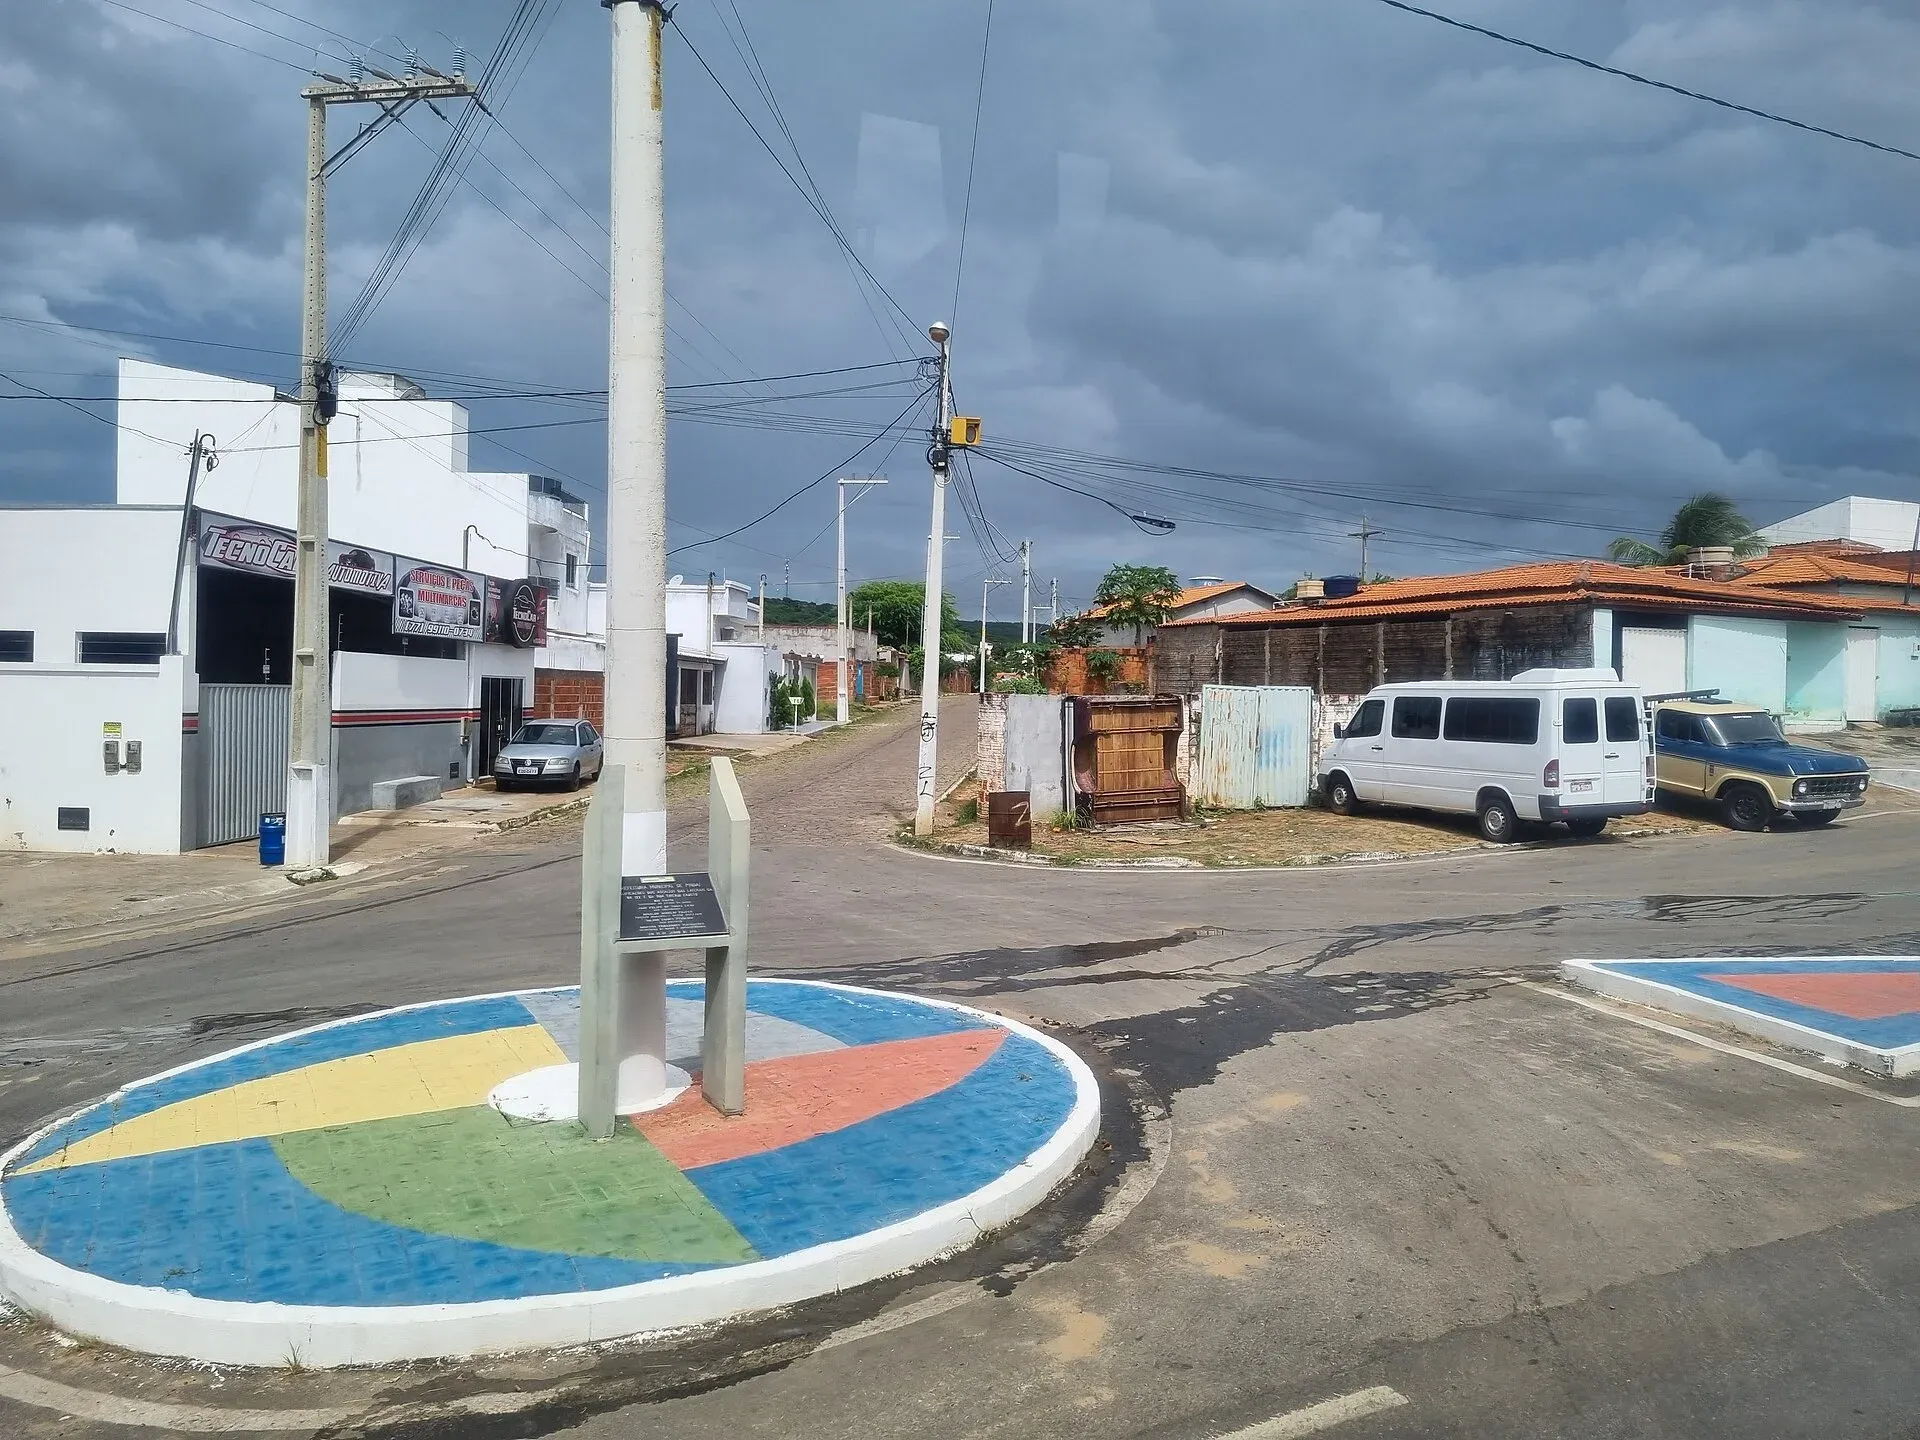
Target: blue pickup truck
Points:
(1713, 749)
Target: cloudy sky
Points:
(1259, 267)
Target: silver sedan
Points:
(546, 752)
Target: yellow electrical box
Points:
(965, 431)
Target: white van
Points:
(1547, 745)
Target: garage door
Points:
(1655, 660)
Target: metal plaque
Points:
(669, 907)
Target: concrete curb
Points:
(1641, 990)
(1027, 860)
(226, 1332)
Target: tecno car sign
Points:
(432, 600)
(230, 544)
(523, 613)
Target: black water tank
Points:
(1341, 586)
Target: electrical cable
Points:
(204, 35)
(1637, 79)
(973, 154)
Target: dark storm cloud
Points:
(1318, 240)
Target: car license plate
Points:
(1582, 787)
(526, 769)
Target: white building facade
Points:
(145, 646)
(1883, 524)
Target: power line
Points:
(973, 154)
(204, 35)
(913, 405)
(819, 209)
(1638, 79)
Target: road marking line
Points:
(157, 1415)
(1375, 1400)
(1908, 1102)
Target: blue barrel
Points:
(273, 839)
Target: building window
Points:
(573, 573)
(16, 646)
(120, 647)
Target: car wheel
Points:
(1340, 797)
(1498, 823)
(573, 780)
(1816, 817)
(1746, 807)
(1586, 829)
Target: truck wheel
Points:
(1746, 807)
(1498, 823)
(1587, 828)
(1816, 817)
(1340, 797)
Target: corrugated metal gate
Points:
(243, 740)
(1256, 746)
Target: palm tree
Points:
(1705, 520)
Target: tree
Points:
(1138, 595)
(1705, 520)
(897, 607)
(1074, 632)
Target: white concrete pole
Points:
(763, 607)
(1026, 592)
(310, 728)
(840, 610)
(937, 457)
(637, 517)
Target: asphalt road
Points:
(1398, 1162)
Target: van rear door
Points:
(1628, 748)
(1583, 763)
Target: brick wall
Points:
(1067, 675)
(878, 687)
(570, 695)
(990, 753)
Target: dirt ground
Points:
(1309, 836)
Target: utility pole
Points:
(1365, 533)
(763, 607)
(840, 617)
(637, 518)
(1053, 603)
(938, 458)
(310, 730)
(986, 584)
(1026, 592)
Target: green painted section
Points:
(1816, 671)
(1899, 687)
(1745, 660)
(476, 1174)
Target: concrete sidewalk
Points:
(49, 900)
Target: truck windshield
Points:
(1750, 727)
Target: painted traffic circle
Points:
(346, 1194)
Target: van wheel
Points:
(1498, 823)
(1340, 797)
(1587, 828)
(1746, 807)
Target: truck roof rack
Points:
(1685, 695)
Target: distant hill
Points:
(799, 612)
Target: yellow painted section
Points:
(417, 1079)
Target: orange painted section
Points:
(801, 1096)
(1858, 995)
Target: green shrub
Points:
(1017, 685)
(1102, 664)
(968, 813)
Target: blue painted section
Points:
(1889, 1033)
(853, 1019)
(1816, 671)
(355, 1037)
(1899, 684)
(898, 1164)
(1745, 660)
(169, 1220)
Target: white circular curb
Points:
(265, 1333)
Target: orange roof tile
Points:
(1813, 570)
(1551, 582)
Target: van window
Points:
(1580, 722)
(1366, 720)
(1416, 717)
(1623, 719)
(1497, 722)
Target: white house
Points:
(1883, 524)
(1205, 599)
(145, 645)
(724, 669)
